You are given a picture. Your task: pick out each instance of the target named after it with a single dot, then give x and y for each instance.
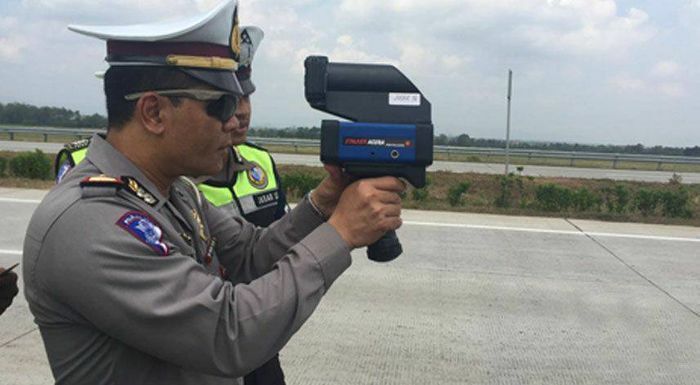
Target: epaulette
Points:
(93, 186)
(101, 181)
(255, 146)
(100, 186)
(77, 145)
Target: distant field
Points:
(515, 160)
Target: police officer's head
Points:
(250, 40)
(171, 87)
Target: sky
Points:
(586, 71)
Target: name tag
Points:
(266, 198)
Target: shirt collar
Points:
(113, 163)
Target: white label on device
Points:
(404, 99)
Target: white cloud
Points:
(672, 89)
(628, 83)
(11, 49)
(666, 69)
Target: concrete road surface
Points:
(483, 168)
(475, 299)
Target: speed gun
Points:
(389, 129)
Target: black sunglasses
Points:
(220, 104)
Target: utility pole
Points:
(510, 92)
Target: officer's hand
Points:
(367, 209)
(8, 289)
(327, 193)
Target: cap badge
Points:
(236, 37)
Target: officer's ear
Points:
(150, 111)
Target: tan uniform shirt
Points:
(130, 292)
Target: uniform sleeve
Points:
(249, 252)
(168, 306)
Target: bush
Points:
(454, 194)
(419, 194)
(675, 203)
(646, 201)
(617, 198)
(32, 165)
(585, 200)
(299, 184)
(550, 197)
(3, 166)
(512, 188)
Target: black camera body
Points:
(389, 131)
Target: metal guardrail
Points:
(572, 156)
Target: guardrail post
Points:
(571, 163)
(658, 166)
(12, 136)
(448, 154)
(614, 165)
(46, 138)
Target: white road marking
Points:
(17, 200)
(548, 231)
(467, 226)
(10, 252)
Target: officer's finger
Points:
(392, 211)
(388, 183)
(391, 223)
(388, 197)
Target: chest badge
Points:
(257, 176)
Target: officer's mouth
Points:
(242, 128)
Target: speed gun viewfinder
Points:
(389, 131)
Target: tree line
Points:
(464, 140)
(28, 115)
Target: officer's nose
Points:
(231, 124)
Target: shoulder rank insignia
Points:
(145, 229)
(77, 145)
(101, 181)
(135, 188)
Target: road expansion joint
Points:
(630, 267)
(18, 337)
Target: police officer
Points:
(129, 271)
(249, 184)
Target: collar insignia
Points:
(136, 189)
(77, 145)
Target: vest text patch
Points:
(266, 198)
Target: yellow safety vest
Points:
(70, 155)
(255, 192)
